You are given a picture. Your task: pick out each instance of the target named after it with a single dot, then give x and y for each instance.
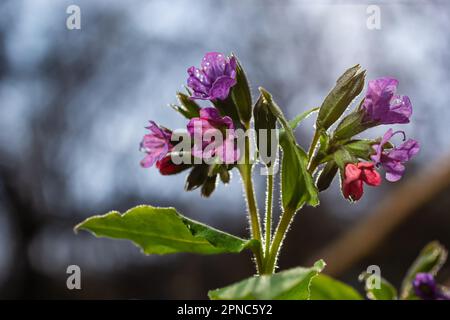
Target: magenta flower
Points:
(355, 175)
(382, 106)
(155, 144)
(393, 160)
(215, 78)
(425, 287)
(210, 126)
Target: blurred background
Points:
(74, 103)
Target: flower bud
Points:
(265, 123)
(348, 86)
(326, 176)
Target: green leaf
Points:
(360, 148)
(324, 287)
(348, 86)
(386, 290)
(350, 125)
(163, 231)
(241, 94)
(290, 284)
(342, 156)
(189, 108)
(323, 152)
(297, 186)
(294, 123)
(430, 260)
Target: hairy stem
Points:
(280, 233)
(313, 164)
(246, 172)
(269, 205)
(313, 145)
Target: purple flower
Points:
(215, 78)
(217, 136)
(382, 106)
(156, 144)
(425, 287)
(393, 160)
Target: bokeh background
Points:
(74, 103)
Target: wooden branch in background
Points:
(360, 240)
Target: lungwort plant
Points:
(226, 130)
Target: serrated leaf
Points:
(324, 287)
(385, 291)
(297, 186)
(163, 231)
(430, 260)
(241, 94)
(290, 284)
(347, 87)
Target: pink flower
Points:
(355, 175)
(155, 144)
(167, 167)
(393, 160)
(215, 77)
(209, 127)
(383, 106)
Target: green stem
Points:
(312, 147)
(280, 233)
(269, 205)
(313, 164)
(246, 172)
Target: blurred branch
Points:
(396, 208)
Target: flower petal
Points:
(221, 87)
(352, 173)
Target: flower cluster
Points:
(425, 287)
(212, 132)
(381, 106)
(212, 129)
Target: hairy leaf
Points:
(324, 287)
(385, 291)
(292, 284)
(163, 231)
